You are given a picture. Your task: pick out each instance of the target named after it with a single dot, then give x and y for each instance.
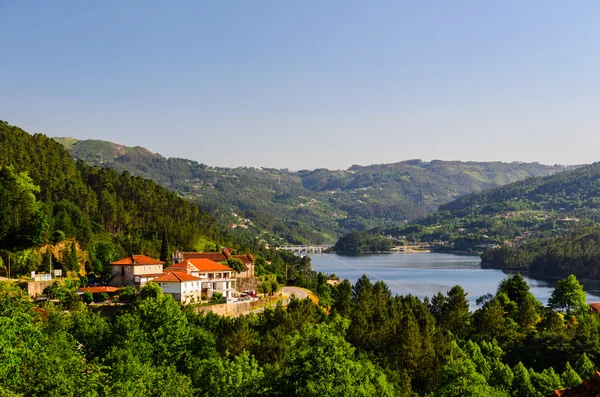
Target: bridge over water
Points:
(305, 249)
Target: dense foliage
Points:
(577, 252)
(366, 343)
(526, 211)
(362, 242)
(310, 206)
(82, 214)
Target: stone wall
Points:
(35, 288)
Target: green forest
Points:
(57, 212)
(576, 253)
(317, 206)
(361, 341)
(531, 210)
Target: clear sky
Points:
(309, 84)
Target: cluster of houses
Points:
(193, 276)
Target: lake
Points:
(426, 274)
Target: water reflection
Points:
(426, 274)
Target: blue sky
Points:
(309, 84)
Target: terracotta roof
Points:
(595, 307)
(215, 256)
(138, 260)
(246, 259)
(183, 267)
(589, 388)
(177, 277)
(97, 290)
(206, 265)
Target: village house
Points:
(135, 270)
(247, 260)
(214, 276)
(184, 287)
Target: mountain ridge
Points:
(312, 205)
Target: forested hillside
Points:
(541, 207)
(53, 209)
(316, 206)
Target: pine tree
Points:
(584, 367)
(164, 249)
(71, 260)
(569, 377)
(522, 386)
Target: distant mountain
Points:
(318, 205)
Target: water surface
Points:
(426, 274)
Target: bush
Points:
(217, 297)
(88, 297)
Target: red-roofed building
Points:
(595, 307)
(99, 290)
(589, 388)
(184, 287)
(215, 277)
(135, 270)
(248, 261)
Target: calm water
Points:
(426, 274)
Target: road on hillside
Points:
(298, 292)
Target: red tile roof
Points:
(589, 388)
(595, 307)
(206, 265)
(138, 260)
(246, 259)
(176, 277)
(183, 267)
(98, 290)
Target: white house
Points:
(214, 276)
(184, 287)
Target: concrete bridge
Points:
(304, 249)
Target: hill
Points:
(521, 214)
(93, 214)
(318, 205)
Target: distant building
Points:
(135, 270)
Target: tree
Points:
(321, 363)
(584, 367)
(522, 386)
(164, 249)
(456, 316)
(568, 295)
(70, 257)
(569, 377)
(216, 297)
(236, 265)
(264, 287)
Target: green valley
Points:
(310, 206)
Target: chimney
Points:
(132, 258)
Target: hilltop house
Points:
(213, 276)
(135, 270)
(184, 287)
(247, 260)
